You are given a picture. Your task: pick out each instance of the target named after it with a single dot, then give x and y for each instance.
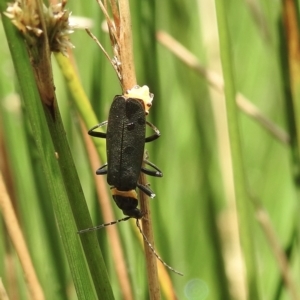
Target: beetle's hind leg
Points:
(146, 190)
(156, 172)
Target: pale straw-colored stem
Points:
(17, 238)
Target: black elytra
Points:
(125, 143)
(125, 140)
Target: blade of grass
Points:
(52, 172)
(49, 163)
(80, 99)
(291, 26)
(78, 205)
(39, 229)
(244, 208)
(291, 70)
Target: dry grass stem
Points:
(3, 294)
(126, 47)
(121, 41)
(41, 61)
(151, 260)
(17, 238)
(114, 65)
(280, 256)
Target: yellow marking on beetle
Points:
(131, 193)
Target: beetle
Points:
(125, 142)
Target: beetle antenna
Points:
(153, 250)
(113, 61)
(103, 225)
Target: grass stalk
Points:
(278, 251)
(48, 160)
(61, 177)
(244, 208)
(216, 82)
(151, 261)
(121, 39)
(17, 238)
(291, 70)
(129, 80)
(291, 27)
(78, 205)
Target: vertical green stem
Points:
(60, 176)
(244, 208)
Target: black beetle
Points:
(125, 142)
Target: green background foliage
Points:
(194, 210)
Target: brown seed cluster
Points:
(25, 16)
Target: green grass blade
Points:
(80, 99)
(243, 201)
(78, 205)
(55, 180)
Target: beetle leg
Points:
(98, 133)
(146, 190)
(102, 170)
(154, 136)
(157, 173)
